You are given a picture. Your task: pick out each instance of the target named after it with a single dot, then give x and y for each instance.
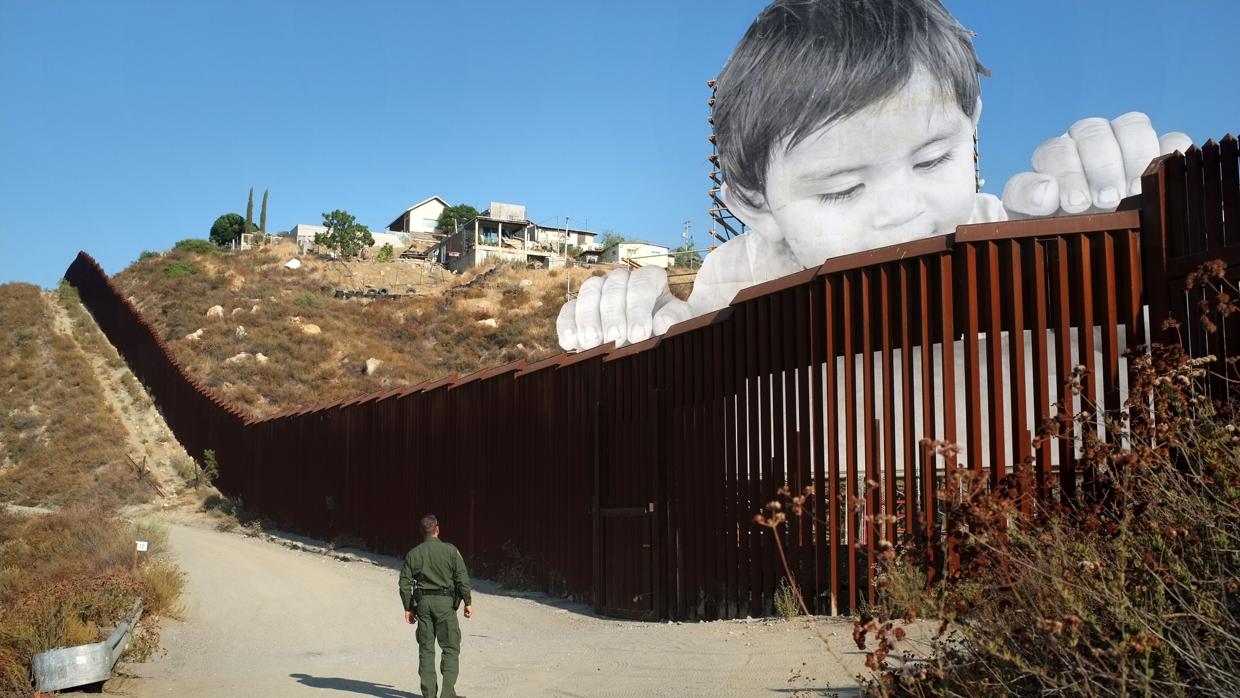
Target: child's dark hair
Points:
(806, 63)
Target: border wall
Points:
(629, 477)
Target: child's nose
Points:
(899, 207)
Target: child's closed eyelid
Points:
(844, 195)
(934, 162)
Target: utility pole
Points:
(568, 277)
(687, 237)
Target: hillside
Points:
(60, 440)
(73, 424)
(264, 355)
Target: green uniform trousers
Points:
(437, 621)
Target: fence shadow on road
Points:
(841, 692)
(364, 688)
(485, 586)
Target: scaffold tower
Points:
(724, 225)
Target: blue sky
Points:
(126, 126)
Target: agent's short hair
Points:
(429, 524)
(804, 64)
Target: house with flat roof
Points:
(636, 254)
(502, 232)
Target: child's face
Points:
(898, 170)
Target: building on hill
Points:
(634, 253)
(303, 234)
(503, 232)
(419, 218)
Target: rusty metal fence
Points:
(629, 477)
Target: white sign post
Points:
(140, 546)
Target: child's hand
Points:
(1097, 163)
(623, 307)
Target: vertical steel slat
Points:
(1109, 321)
(994, 366)
(1084, 310)
(888, 431)
(852, 501)
(1196, 231)
(1212, 195)
(1041, 369)
(1021, 433)
(1229, 166)
(756, 559)
(828, 316)
(764, 462)
(872, 512)
(972, 361)
(909, 445)
(946, 294)
(775, 436)
(808, 572)
(734, 516)
(1063, 370)
(929, 496)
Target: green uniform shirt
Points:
(434, 564)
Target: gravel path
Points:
(264, 620)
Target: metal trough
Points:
(67, 667)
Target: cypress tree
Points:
(249, 212)
(262, 217)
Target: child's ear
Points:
(752, 210)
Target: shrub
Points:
(74, 583)
(178, 268)
(147, 254)
(308, 299)
(210, 469)
(786, 600)
(385, 253)
(197, 246)
(1133, 588)
(515, 296)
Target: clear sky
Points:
(128, 125)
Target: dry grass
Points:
(66, 579)
(59, 441)
(426, 335)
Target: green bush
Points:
(308, 299)
(147, 254)
(197, 246)
(385, 253)
(178, 268)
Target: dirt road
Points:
(264, 620)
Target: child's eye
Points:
(836, 197)
(931, 164)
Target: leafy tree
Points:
(262, 217)
(228, 228)
(686, 256)
(249, 212)
(344, 234)
(610, 238)
(452, 215)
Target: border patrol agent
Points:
(433, 583)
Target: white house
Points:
(643, 254)
(420, 217)
(303, 234)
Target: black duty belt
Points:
(437, 592)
